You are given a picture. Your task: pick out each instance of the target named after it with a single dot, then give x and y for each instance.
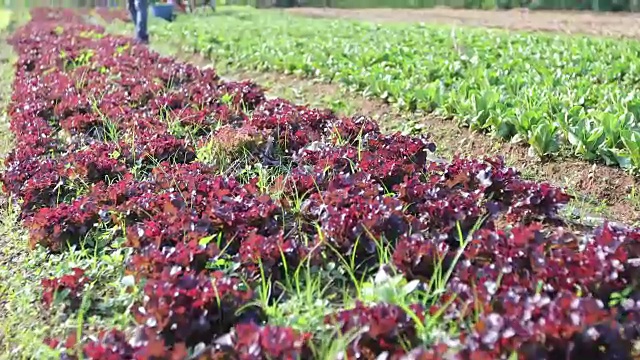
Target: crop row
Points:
(111, 135)
(558, 94)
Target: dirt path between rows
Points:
(570, 22)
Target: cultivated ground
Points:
(570, 22)
(611, 185)
(559, 265)
(601, 191)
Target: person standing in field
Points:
(139, 10)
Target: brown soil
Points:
(571, 22)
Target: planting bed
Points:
(234, 204)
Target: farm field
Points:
(600, 189)
(171, 214)
(567, 96)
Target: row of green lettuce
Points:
(562, 95)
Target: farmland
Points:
(560, 95)
(174, 214)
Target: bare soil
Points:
(569, 22)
